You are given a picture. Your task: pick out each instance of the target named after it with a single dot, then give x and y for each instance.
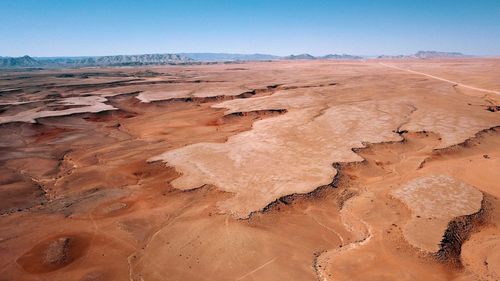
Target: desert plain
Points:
(283, 170)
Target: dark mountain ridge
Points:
(118, 60)
(24, 61)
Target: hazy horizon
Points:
(96, 28)
(221, 53)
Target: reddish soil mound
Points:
(54, 253)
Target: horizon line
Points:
(236, 53)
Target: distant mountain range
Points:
(26, 61)
(341, 57)
(326, 57)
(120, 60)
(216, 57)
(300, 57)
(434, 54)
(189, 58)
(427, 55)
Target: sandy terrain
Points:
(289, 170)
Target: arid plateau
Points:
(376, 169)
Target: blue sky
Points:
(92, 27)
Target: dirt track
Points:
(443, 79)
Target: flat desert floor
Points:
(286, 170)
